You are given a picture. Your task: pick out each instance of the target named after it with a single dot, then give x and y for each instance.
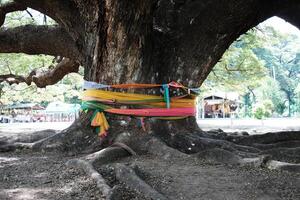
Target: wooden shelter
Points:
(220, 105)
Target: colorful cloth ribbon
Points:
(99, 120)
(165, 107)
(94, 85)
(166, 94)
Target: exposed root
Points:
(285, 144)
(268, 138)
(193, 142)
(90, 171)
(273, 164)
(75, 139)
(99, 158)
(108, 155)
(6, 147)
(219, 156)
(28, 137)
(128, 176)
(266, 162)
(158, 148)
(42, 144)
(258, 162)
(284, 154)
(125, 147)
(24, 141)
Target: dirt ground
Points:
(31, 176)
(43, 176)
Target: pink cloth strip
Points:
(155, 112)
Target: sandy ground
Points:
(44, 176)
(252, 126)
(29, 127)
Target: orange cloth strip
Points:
(135, 85)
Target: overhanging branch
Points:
(42, 79)
(10, 7)
(32, 39)
(64, 12)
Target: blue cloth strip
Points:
(196, 90)
(166, 94)
(93, 85)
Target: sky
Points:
(282, 25)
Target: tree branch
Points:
(10, 7)
(32, 39)
(42, 79)
(64, 12)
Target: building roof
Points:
(233, 96)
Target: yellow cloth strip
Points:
(123, 98)
(100, 121)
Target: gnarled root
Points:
(6, 147)
(128, 176)
(107, 155)
(90, 171)
(268, 138)
(76, 138)
(221, 156)
(277, 165)
(124, 174)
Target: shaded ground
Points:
(193, 179)
(27, 175)
(31, 176)
(45, 176)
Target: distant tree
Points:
(239, 69)
(282, 57)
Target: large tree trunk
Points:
(159, 42)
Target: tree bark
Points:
(164, 41)
(32, 39)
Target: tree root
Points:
(266, 162)
(268, 138)
(7, 147)
(156, 147)
(90, 171)
(277, 165)
(75, 139)
(128, 176)
(109, 154)
(285, 144)
(221, 156)
(124, 174)
(284, 154)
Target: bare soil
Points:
(27, 175)
(32, 176)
